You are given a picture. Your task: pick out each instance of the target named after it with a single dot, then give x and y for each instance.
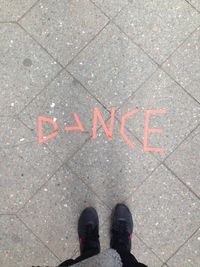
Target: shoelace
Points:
(91, 237)
(91, 234)
(120, 233)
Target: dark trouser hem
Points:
(128, 260)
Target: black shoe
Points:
(121, 228)
(88, 231)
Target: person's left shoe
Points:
(88, 231)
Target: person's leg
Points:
(121, 232)
(88, 232)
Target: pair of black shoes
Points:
(121, 229)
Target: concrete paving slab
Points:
(184, 65)
(21, 248)
(59, 101)
(195, 3)
(143, 254)
(13, 132)
(158, 26)
(188, 255)
(13, 10)
(112, 67)
(24, 68)
(24, 169)
(185, 161)
(181, 117)
(111, 168)
(53, 213)
(111, 7)
(64, 28)
(167, 215)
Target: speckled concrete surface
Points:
(62, 57)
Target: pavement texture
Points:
(59, 58)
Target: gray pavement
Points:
(60, 57)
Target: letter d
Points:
(41, 138)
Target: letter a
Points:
(79, 126)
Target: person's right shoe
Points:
(121, 228)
